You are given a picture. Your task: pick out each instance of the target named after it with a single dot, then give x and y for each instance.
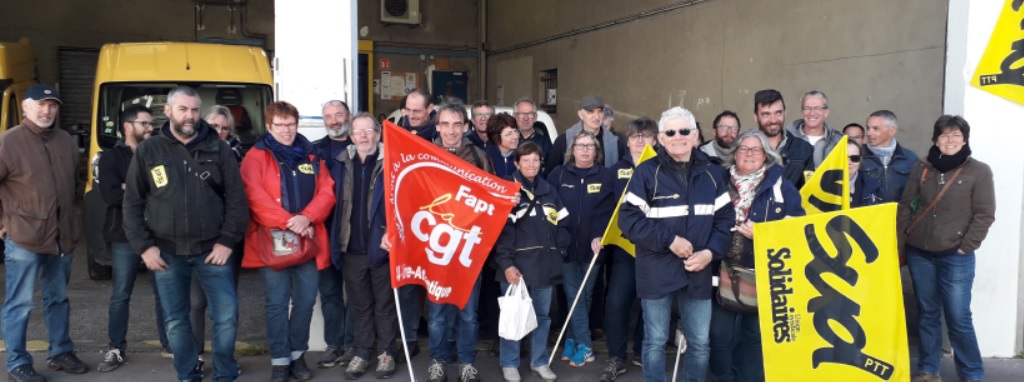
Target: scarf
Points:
(721, 152)
(945, 163)
(291, 155)
(746, 187)
(884, 153)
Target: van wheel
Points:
(97, 271)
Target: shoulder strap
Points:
(937, 198)
(194, 168)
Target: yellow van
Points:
(235, 76)
(17, 74)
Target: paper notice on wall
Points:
(397, 86)
(410, 82)
(385, 85)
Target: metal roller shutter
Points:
(77, 75)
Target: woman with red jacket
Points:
(289, 189)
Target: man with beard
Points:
(184, 210)
(797, 154)
(136, 126)
(40, 227)
(337, 323)
(418, 114)
(813, 128)
(726, 127)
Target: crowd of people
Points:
(195, 209)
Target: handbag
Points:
(737, 289)
(280, 249)
(517, 318)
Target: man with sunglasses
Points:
(797, 155)
(591, 115)
(726, 127)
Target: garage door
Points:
(77, 74)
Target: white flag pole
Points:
(401, 329)
(571, 309)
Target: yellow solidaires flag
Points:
(829, 297)
(612, 234)
(828, 188)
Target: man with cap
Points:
(39, 223)
(591, 115)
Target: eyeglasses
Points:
(671, 133)
(145, 124)
(732, 129)
(526, 114)
(855, 158)
(750, 150)
(951, 136)
(640, 137)
(362, 132)
(285, 125)
(510, 134)
(584, 146)
(814, 108)
(482, 115)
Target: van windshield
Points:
(246, 102)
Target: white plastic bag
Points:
(517, 317)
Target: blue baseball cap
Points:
(40, 92)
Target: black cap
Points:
(40, 92)
(591, 102)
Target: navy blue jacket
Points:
(329, 149)
(797, 158)
(892, 179)
(866, 192)
(378, 226)
(427, 131)
(535, 236)
(587, 194)
(665, 200)
(503, 166)
(476, 140)
(776, 199)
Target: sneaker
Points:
(544, 372)
(299, 369)
(330, 358)
(201, 366)
(356, 367)
(511, 374)
(385, 366)
(570, 349)
(67, 362)
(280, 373)
(638, 361)
(584, 355)
(350, 352)
(25, 373)
(111, 361)
(467, 373)
(436, 371)
(614, 369)
(165, 352)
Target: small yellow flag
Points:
(828, 189)
(1001, 69)
(612, 234)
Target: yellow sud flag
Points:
(828, 188)
(828, 297)
(612, 234)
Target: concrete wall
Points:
(866, 55)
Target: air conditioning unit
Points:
(400, 11)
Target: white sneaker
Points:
(544, 372)
(511, 374)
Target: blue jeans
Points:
(468, 328)
(174, 286)
(21, 269)
(619, 306)
(695, 320)
(572, 278)
(539, 337)
(735, 345)
(943, 286)
(337, 320)
(288, 337)
(125, 264)
(410, 298)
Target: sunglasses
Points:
(671, 133)
(855, 158)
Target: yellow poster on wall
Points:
(828, 189)
(829, 297)
(1001, 69)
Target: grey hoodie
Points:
(824, 146)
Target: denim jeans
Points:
(572, 278)
(538, 338)
(288, 336)
(174, 286)
(125, 267)
(695, 320)
(337, 320)
(198, 298)
(468, 328)
(54, 271)
(410, 297)
(619, 306)
(943, 286)
(735, 346)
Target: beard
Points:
(340, 131)
(723, 144)
(771, 133)
(180, 128)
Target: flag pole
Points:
(401, 329)
(573, 308)
(680, 349)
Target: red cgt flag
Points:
(443, 216)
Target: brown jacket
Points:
(472, 154)
(962, 217)
(37, 188)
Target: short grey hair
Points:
(526, 100)
(365, 115)
(335, 102)
(770, 156)
(598, 151)
(182, 90)
(888, 116)
(676, 113)
(222, 111)
(456, 108)
(814, 93)
(608, 111)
